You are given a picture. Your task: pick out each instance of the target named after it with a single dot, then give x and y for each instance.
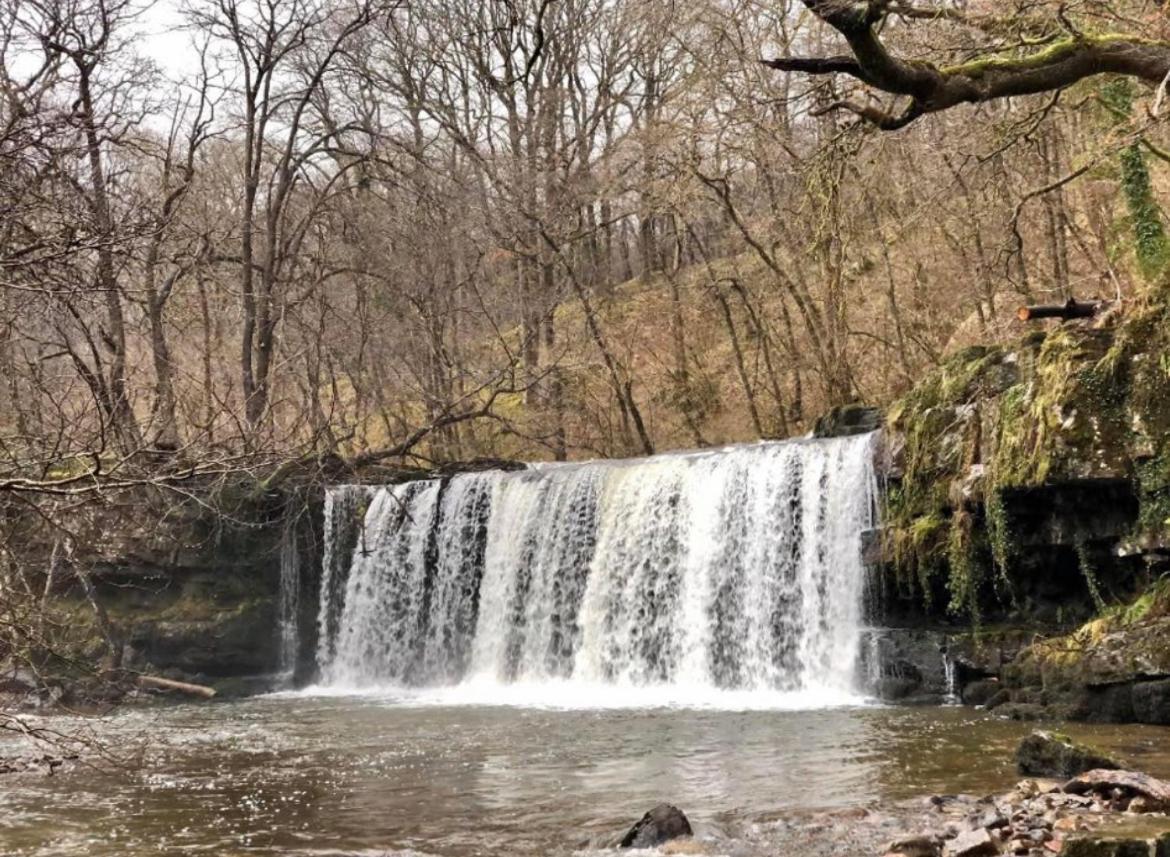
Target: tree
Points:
(1057, 54)
(285, 54)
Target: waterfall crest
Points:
(737, 569)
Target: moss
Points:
(1055, 52)
(1070, 420)
(941, 424)
(1154, 603)
(1151, 245)
(1071, 404)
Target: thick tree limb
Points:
(932, 88)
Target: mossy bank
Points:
(1028, 492)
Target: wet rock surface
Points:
(1083, 817)
(1098, 814)
(1051, 754)
(662, 824)
(848, 420)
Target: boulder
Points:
(1130, 783)
(1151, 702)
(661, 824)
(1002, 697)
(847, 420)
(973, 843)
(1105, 847)
(1050, 754)
(980, 691)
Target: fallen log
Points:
(179, 686)
(1069, 310)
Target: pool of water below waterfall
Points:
(444, 774)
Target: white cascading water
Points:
(730, 570)
(288, 602)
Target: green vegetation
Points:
(1150, 242)
(1072, 404)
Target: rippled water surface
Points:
(319, 775)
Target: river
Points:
(439, 774)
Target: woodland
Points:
(380, 232)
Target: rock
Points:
(981, 691)
(661, 824)
(1151, 702)
(1027, 788)
(993, 820)
(896, 688)
(1002, 697)
(1050, 754)
(1105, 847)
(1162, 846)
(920, 845)
(1129, 783)
(847, 420)
(1140, 805)
(973, 843)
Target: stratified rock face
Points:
(1026, 480)
(211, 640)
(661, 824)
(1050, 754)
(902, 664)
(1114, 669)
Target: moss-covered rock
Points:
(1059, 443)
(1051, 754)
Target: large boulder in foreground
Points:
(1130, 784)
(1050, 754)
(661, 824)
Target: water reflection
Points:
(317, 775)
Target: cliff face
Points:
(183, 586)
(1029, 487)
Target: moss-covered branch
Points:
(932, 88)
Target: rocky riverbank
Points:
(1093, 809)
(1025, 541)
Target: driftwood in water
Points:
(180, 686)
(1065, 311)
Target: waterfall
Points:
(952, 692)
(288, 601)
(737, 569)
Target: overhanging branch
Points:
(933, 88)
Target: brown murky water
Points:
(336, 776)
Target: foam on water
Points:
(724, 579)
